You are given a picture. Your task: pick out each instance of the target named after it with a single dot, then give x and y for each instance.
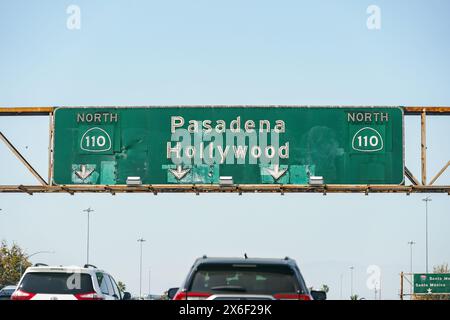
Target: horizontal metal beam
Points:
(209, 188)
(33, 111)
(26, 111)
(430, 111)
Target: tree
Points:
(122, 287)
(325, 288)
(442, 268)
(354, 297)
(12, 260)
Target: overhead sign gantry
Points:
(228, 149)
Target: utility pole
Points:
(88, 211)
(141, 241)
(427, 199)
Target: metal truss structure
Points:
(46, 186)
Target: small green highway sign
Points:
(247, 144)
(432, 283)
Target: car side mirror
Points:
(126, 296)
(319, 295)
(172, 292)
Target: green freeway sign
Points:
(431, 283)
(250, 145)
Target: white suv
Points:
(42, 282)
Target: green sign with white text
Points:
(251, 144)
(432, 283)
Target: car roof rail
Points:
(40, 265)
(87, 265)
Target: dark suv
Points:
(244, 279)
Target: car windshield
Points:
(6, 292)
(244, 279)
(56, 283)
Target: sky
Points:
(136, 53)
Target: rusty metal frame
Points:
(423, 145)
(403, 277)
(213, 188)
(51, 132)
(416, 187)
(45, 111)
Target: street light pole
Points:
(427, 199)
(141, 241)
(411, 243)
(29, 256)
(88, 210)
(379, 288)
(351, 281)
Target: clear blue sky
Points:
(226, 52)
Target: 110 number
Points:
(95, 141)
(365, 141)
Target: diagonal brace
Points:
(439, 173)
(22, 159)
(411, 177)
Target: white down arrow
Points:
(276, 173)
(84, 172)
(179, 173)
